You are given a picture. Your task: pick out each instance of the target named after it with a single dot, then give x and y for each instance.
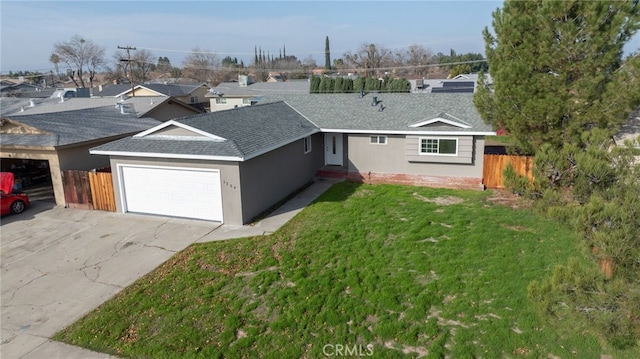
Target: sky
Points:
(29, 29)
(173, 29)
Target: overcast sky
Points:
(29, 29)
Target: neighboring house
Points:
(8, 89)
(228, 95)
(230, 166)
(32, 144)
(160, 108)
(463, 83)
(53, 134)
(275, 77)
(191, 94)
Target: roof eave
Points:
(167, 155)
(397, 132)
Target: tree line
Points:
(80, 59)
(340, 84)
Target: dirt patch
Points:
(253, 274)
(364, 193)
(508, 198)
(406, 349)
(440, 201)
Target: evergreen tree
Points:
(314, 86)
(327, 55)
(338, 86)
(347, 85)
(359, 84)
(554, 66)
(255, 58)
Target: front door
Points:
(333, 149)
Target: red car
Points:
(11, 202)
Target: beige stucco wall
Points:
(364, 157)
(54, 167)
(229, 180)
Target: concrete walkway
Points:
(58, 264)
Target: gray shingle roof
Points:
(70, 127)
(253, 130)
(21, 106)
(249, 131)
(352, 113)
(175, 90)
(233, 89)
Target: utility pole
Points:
(128, 61)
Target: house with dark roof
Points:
(230, 166)
(39, 145)
(39, 137)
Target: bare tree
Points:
(143, 62)
(370, 58)
(81, 55)
(417, 58)
(201, 65)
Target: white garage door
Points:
(177, 192)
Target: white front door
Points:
(333, 149)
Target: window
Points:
(246, 101)
(194, 99)
(221, 100)
(439, 146)
(378, 140)
(307, 144)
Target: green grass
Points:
(379, 265)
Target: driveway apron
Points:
(58, 263)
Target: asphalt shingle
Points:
(69, 127)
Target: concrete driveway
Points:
(57, 264)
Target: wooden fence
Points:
(89, 189)
(494, 166)
(102, 191)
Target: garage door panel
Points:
(178, 192)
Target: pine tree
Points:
(554, 69)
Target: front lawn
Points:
(385, 271)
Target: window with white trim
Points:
(307, 144)
(378, 140)
(438, 146)
(221, 100)
(194, 99)
(246, 101)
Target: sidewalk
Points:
(59, 263)
(278, 218)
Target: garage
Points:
(32, 176)
(171, 191)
